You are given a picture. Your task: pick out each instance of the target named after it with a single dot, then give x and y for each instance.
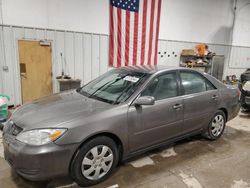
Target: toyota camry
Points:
(84, 133)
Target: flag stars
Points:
(130, 5)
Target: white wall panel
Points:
(78, 54)
(81, 51)
(30, 33)
(59, 49)
(240, 57)
(40, 34)
(9, 75)
(87, 58)
(2, 60)
(69, 47)
(104, 54)
(95, 56)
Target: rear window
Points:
(194, 83)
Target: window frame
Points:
(174, 72)
(182, 90)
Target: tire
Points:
(216, 127)
(95, 161)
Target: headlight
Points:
(39, 137)
(246, 86)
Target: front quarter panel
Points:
(112, 121)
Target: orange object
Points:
(200, 49)
(55, 135)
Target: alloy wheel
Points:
(97, 162)
(217, 125)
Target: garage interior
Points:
(50, 46)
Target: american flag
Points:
(134, 32)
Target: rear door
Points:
(200, 100)
(149, 125)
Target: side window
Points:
(162, 87)
(194, 83)
(209, 86)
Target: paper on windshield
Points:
(131, 79)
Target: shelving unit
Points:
(212, 65)
(191, 61)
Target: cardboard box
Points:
(188, 52)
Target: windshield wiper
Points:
(111, 82)
(126, 90)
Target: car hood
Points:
(57, 109)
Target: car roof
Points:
(154, 69)
(151, 69)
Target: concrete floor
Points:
(192, 163)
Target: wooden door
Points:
(35, 70)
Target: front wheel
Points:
(216, 126)
(94, 161)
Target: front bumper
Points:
(38, 162)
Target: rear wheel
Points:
(216, 126)
(95, 161)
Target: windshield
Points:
(115, 86)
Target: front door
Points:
(149, 125)
(35, 70)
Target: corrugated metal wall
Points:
(87, 55)
(237, 58)
(170, 50)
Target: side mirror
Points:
(145, 100)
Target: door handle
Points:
(177, 106)
(214, 97)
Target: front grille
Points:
(14, 129)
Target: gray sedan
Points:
(84, 133)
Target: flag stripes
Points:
(134, 32)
